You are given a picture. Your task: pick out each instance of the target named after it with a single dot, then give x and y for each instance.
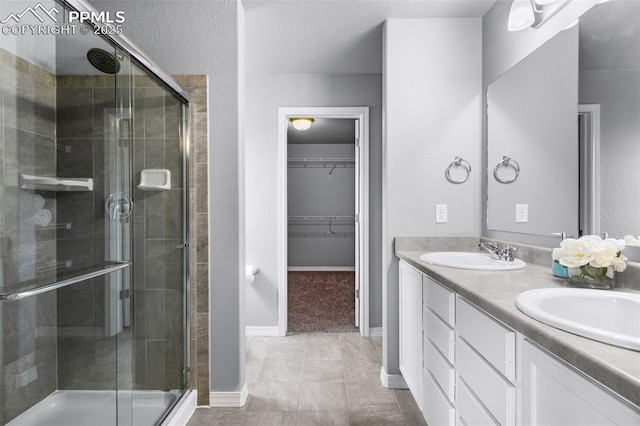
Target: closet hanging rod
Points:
(316, 218)
(321, 234)
(321, 162)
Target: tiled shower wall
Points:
(199, 230)
(27, 250)
(87, 359)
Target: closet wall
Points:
(321, 197)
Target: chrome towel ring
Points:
(458, 162)
(507, 162)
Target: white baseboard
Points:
(375, 331)
(262, 331)
(392, 381)
(229, 399)
(321, 268)
(182, 413)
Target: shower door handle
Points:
(118, 206)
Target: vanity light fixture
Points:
(532, 13)
(521, 15)
(301, 123)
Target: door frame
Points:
(362, 160)
(589, 140)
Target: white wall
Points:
(432, 112)
(265, 93)
(206, 37)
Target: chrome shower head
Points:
(103, 61)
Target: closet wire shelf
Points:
(321, 221)
(321, 162)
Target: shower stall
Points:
(94, 246)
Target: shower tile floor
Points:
(315, 379)
(321, 301)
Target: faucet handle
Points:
(509, 252)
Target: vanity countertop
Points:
(496, 292)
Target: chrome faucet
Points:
(506, 252)
(492, 248)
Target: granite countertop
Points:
(496, 292)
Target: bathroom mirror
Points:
(568, 114)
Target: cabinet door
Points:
(411, 329)
(555, 394)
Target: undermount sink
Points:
(607, 316)
(470, 260)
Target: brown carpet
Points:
(321, 301)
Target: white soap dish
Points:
(155, 180)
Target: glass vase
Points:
(590, 277)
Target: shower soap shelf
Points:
(48, 183)
(155, 180)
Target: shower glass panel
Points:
(93, 271)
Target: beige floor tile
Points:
(414, 419)
(363, 396)
(208, 416)
(286, 350)
(318, 371)
(405, 401)
(384, 415)
(259, 418)
(281, 370)
(273, 397)
(322, 397)
(361, 371)
(323, 419)
(329, 350)
(253, 369)
(257, 347)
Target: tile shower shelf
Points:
(48, 183)
(30, 289)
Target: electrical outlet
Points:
(522, 213)
(441, 213)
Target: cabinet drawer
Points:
(470, 411)
(436, 408)
(490, 339)
(441, 300)
(440, 369)
(496, 393)
(440, 334)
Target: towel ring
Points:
(458, 162)
(507, 162)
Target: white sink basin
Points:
(470, 260)
(607, 316)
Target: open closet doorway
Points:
(323, 220)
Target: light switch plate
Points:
(522, 213)
(441, 213)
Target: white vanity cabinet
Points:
(485, 363)
(554, 393)
(410, 330)
(438, 340)
(460, 364)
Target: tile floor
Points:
(315, 379)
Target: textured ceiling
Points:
(325, 36)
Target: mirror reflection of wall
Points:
(532, 114)
(538, 131)
(610, 78)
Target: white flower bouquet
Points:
(590, 259)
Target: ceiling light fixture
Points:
(532, 13)
(521, 15)
(302, 123)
